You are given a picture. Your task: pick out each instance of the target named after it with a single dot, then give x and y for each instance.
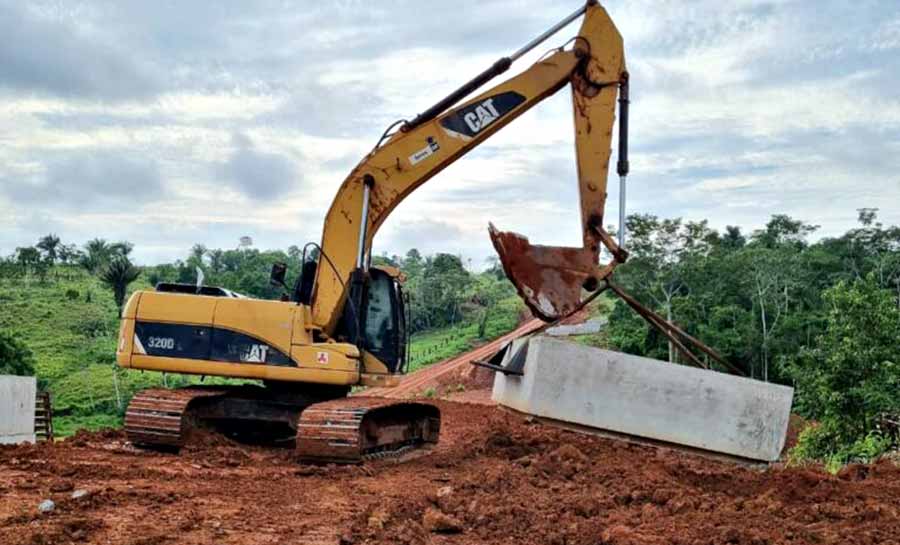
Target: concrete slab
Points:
(648, 398)
(594, 325)
(17, 396)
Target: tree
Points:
(437, 286)
(68, 253)
(495, 268)
(97, 253)
(866, 216)
(849, 379)
(655, 273)
(486, 292)
(753, 301)
(122, 248)
(119, 273)
(770, 278)
(198, 252)
(732, 239)
(215, 260)
(15, 357)
(29, 259)
(783, 230)
(50, 246)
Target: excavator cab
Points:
(378, 325)
(383, 320)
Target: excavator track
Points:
(160, 418)
(351, 430)
(344, 430)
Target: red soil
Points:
(494, 478)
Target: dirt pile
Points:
(495, 478)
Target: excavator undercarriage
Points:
(342, 430)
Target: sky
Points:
(173, 123)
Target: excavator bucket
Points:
(550, 279)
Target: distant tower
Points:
(246, 242)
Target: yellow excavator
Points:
(345, 321)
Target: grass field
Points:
(70, 323)
(432, 346)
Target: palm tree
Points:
(49, 245)
(118, 275)
(122, 248)
(97, 254)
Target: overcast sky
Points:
(171, 123)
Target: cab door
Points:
(384, 329)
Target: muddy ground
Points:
(494, 478)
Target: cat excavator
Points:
(344, 323)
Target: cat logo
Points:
(470, 120)
(483, 115)
(256, 353)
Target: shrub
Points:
(827, 444)
(15, 357)
(92, 326)
(850, 378)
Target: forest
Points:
(780, 302)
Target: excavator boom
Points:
(549, 279)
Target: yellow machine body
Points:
(239, 338)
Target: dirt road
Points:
(494, 478)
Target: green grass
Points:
(436, 345)
(65, 426)
(70, 323)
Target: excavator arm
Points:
(549, 279)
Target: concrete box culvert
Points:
(17, 401)
(648, 399)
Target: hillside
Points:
(70, 324)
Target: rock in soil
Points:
(440, 523)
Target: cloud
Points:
(428, 236)
(94, 180)
(257, 174)
(220, 119)
(352, 109)
(47, 57)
